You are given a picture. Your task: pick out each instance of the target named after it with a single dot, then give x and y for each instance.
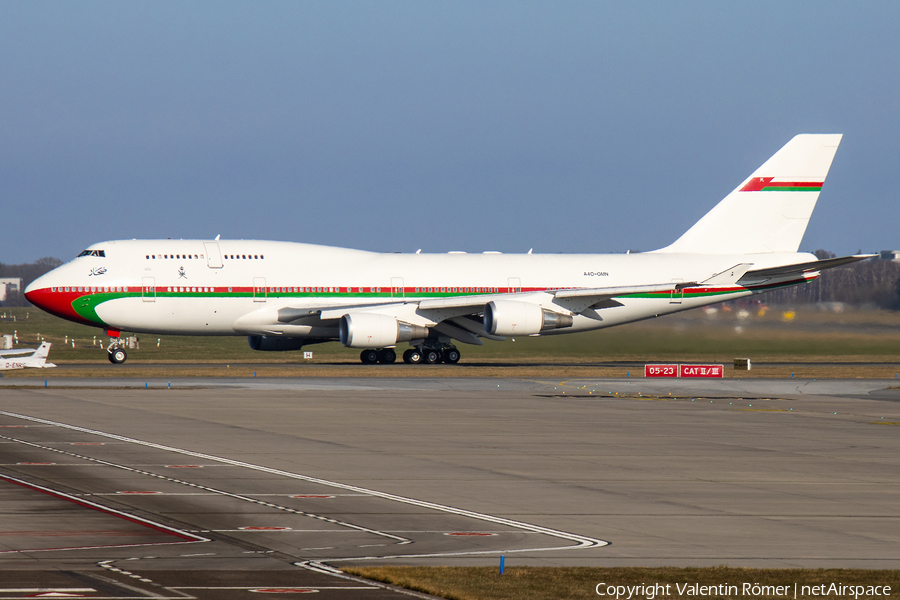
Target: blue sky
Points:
(392, 126)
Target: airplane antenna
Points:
(529, 250)
(218, 236)
(419, 251)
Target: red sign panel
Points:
(660, 370)
(700, 371)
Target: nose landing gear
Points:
(116, 353)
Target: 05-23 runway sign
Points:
(683, 370)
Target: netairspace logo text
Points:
(651, 591)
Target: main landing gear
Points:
(384, 356)
(430, 355)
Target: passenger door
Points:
(397, 291)
(148, 289)
(213, 256)
(259, 289)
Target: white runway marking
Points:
(185, 536)
(577, 541)
(215, 491)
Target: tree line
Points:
(27, 272)
(870, 283)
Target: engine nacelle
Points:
(509, 317)
(274, 344)
(371, 330)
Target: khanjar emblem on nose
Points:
(181, 273)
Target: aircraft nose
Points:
(33, 290)
(46, 292)
(30, 289)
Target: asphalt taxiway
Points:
(137, 484)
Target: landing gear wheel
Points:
(117, 356)
(451, 356)
(369, 357)
(387, 356)
(412, 357)
(432, 357)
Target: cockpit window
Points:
(101, 253)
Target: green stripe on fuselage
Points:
(776, 188)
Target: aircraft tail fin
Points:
(42, 352)
(770, 210)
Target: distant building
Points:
(9, 285)
(885, 255)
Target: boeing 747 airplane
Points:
(284, 295)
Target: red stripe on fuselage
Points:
(59, 304)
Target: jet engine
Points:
(275, 344)
(370, 330)
(508, 317)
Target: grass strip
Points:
(538, 369)
(553, 583)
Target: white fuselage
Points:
(225, 287)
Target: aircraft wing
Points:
(807, 267)
(454, 317)
(599, 293)
(579, 300)
(612, 292)
(17, 352)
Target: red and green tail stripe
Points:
(765, 184)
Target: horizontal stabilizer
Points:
(807, 267)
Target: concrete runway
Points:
(255, 476)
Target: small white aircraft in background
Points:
(16, 359)
(284, 295)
